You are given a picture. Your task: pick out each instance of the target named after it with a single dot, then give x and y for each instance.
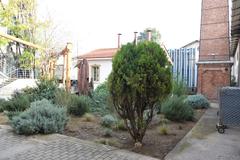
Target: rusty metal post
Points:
(135, 38)
(119, 40)
(149, 34)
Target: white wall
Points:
(235, 67)
(105, 69)
(196, 46)
(19, 84)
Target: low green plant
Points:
(100, 101)
(88, 117)
(176, 109)
(11, 114)
(108, 142)
(120, 125)
(45, 89)
(163, 130)
(62, 98)
(42, 117)
(77, 105)
(2, 102)
(16, 104)
(108, 121)
(179, 88)
(197, 101)
(108, 132)
(163, 120)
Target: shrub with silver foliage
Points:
(108, 121)
(176, 109)
(42, 117)
(197, 101)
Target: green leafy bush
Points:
(16, 104)
(176, 109)
(11, 114)
(197, 101)
(140, 78)
(77, 105)
(179, 88)
(41, 117)
(62, 98)
(107, 132)
(100, 101)
(21, 100)
(45, 89)
(120, 125)
(2, 102)
(108, 121)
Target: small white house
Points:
(100, 64)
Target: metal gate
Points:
(229, 103)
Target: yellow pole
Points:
(64, 69)
(68, 67)
(12, 38)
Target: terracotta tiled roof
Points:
(100, 53)
(109, 53)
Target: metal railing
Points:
(8, 70)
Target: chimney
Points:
(119, 40)
(149, 34)
(135, 38)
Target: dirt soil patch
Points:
(154, 144)
(3, 119)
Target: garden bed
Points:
(154, 144)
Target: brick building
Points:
(214, 66)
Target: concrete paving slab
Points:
(203, 142)
(57, 147)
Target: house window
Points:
(95, 73)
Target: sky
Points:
(93, 24)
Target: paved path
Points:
(57, 147)
(205, 143)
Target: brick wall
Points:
(211, 78)
(214, 70)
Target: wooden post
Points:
(50, 70)
(54, 68)
(68, 66)
(64, 69)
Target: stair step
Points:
(5, 83)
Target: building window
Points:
(95, 73)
